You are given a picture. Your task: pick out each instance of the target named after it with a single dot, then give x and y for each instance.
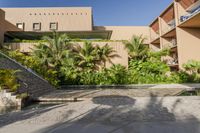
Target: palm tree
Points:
(106, 54)
(40, 52)
(86, 56)
(136, 48)
(53, 51)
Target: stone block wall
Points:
(30, 82)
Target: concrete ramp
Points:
(29, 81)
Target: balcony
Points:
(170, 34)
(189, 15)
(187, 4)
(172, 62)
(154, 32)
(192, 22)
(170, 27)
(168, 22)
(155, 39)
(188, 10)
(170, 43)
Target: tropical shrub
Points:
(152, 55)
(192, 68)
(61, 62)
(53, 51)
(86, 56)
(34, 64)
(137, 50)
(106, 54)
(69, 72)
(181, 77)
(147, 71)
(8, 80)
(117, 74)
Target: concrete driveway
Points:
(109, 114)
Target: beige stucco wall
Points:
(126, 32)
(188, 44)
(120, 50)
(117, 46)
(68, 18)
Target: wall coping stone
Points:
(187, 86)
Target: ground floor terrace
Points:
(139, 108)
(116, 114)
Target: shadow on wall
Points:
(193, 32)
(99, 28)
(11, 27)
(121, 114)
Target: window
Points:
(36, 26)
(20, 25)
(53, 26)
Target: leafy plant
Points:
(53, 51)
(192, 66)
(152, 55)
(117, 74)
(86, 56)
(147, 71)
(60, 61)
(106, 54)
(136, 48)
(8, 79)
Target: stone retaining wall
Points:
(7, 99)
(30, 82)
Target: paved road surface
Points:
(117, 114)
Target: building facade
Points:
(177, 28)
(77, 22)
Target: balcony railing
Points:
(171, 44)
(173, 61)
(155, 35)
(190, 14)
(171, 25)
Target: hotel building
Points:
(177, 27)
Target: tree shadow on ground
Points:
(32, 113)
(122, 114)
